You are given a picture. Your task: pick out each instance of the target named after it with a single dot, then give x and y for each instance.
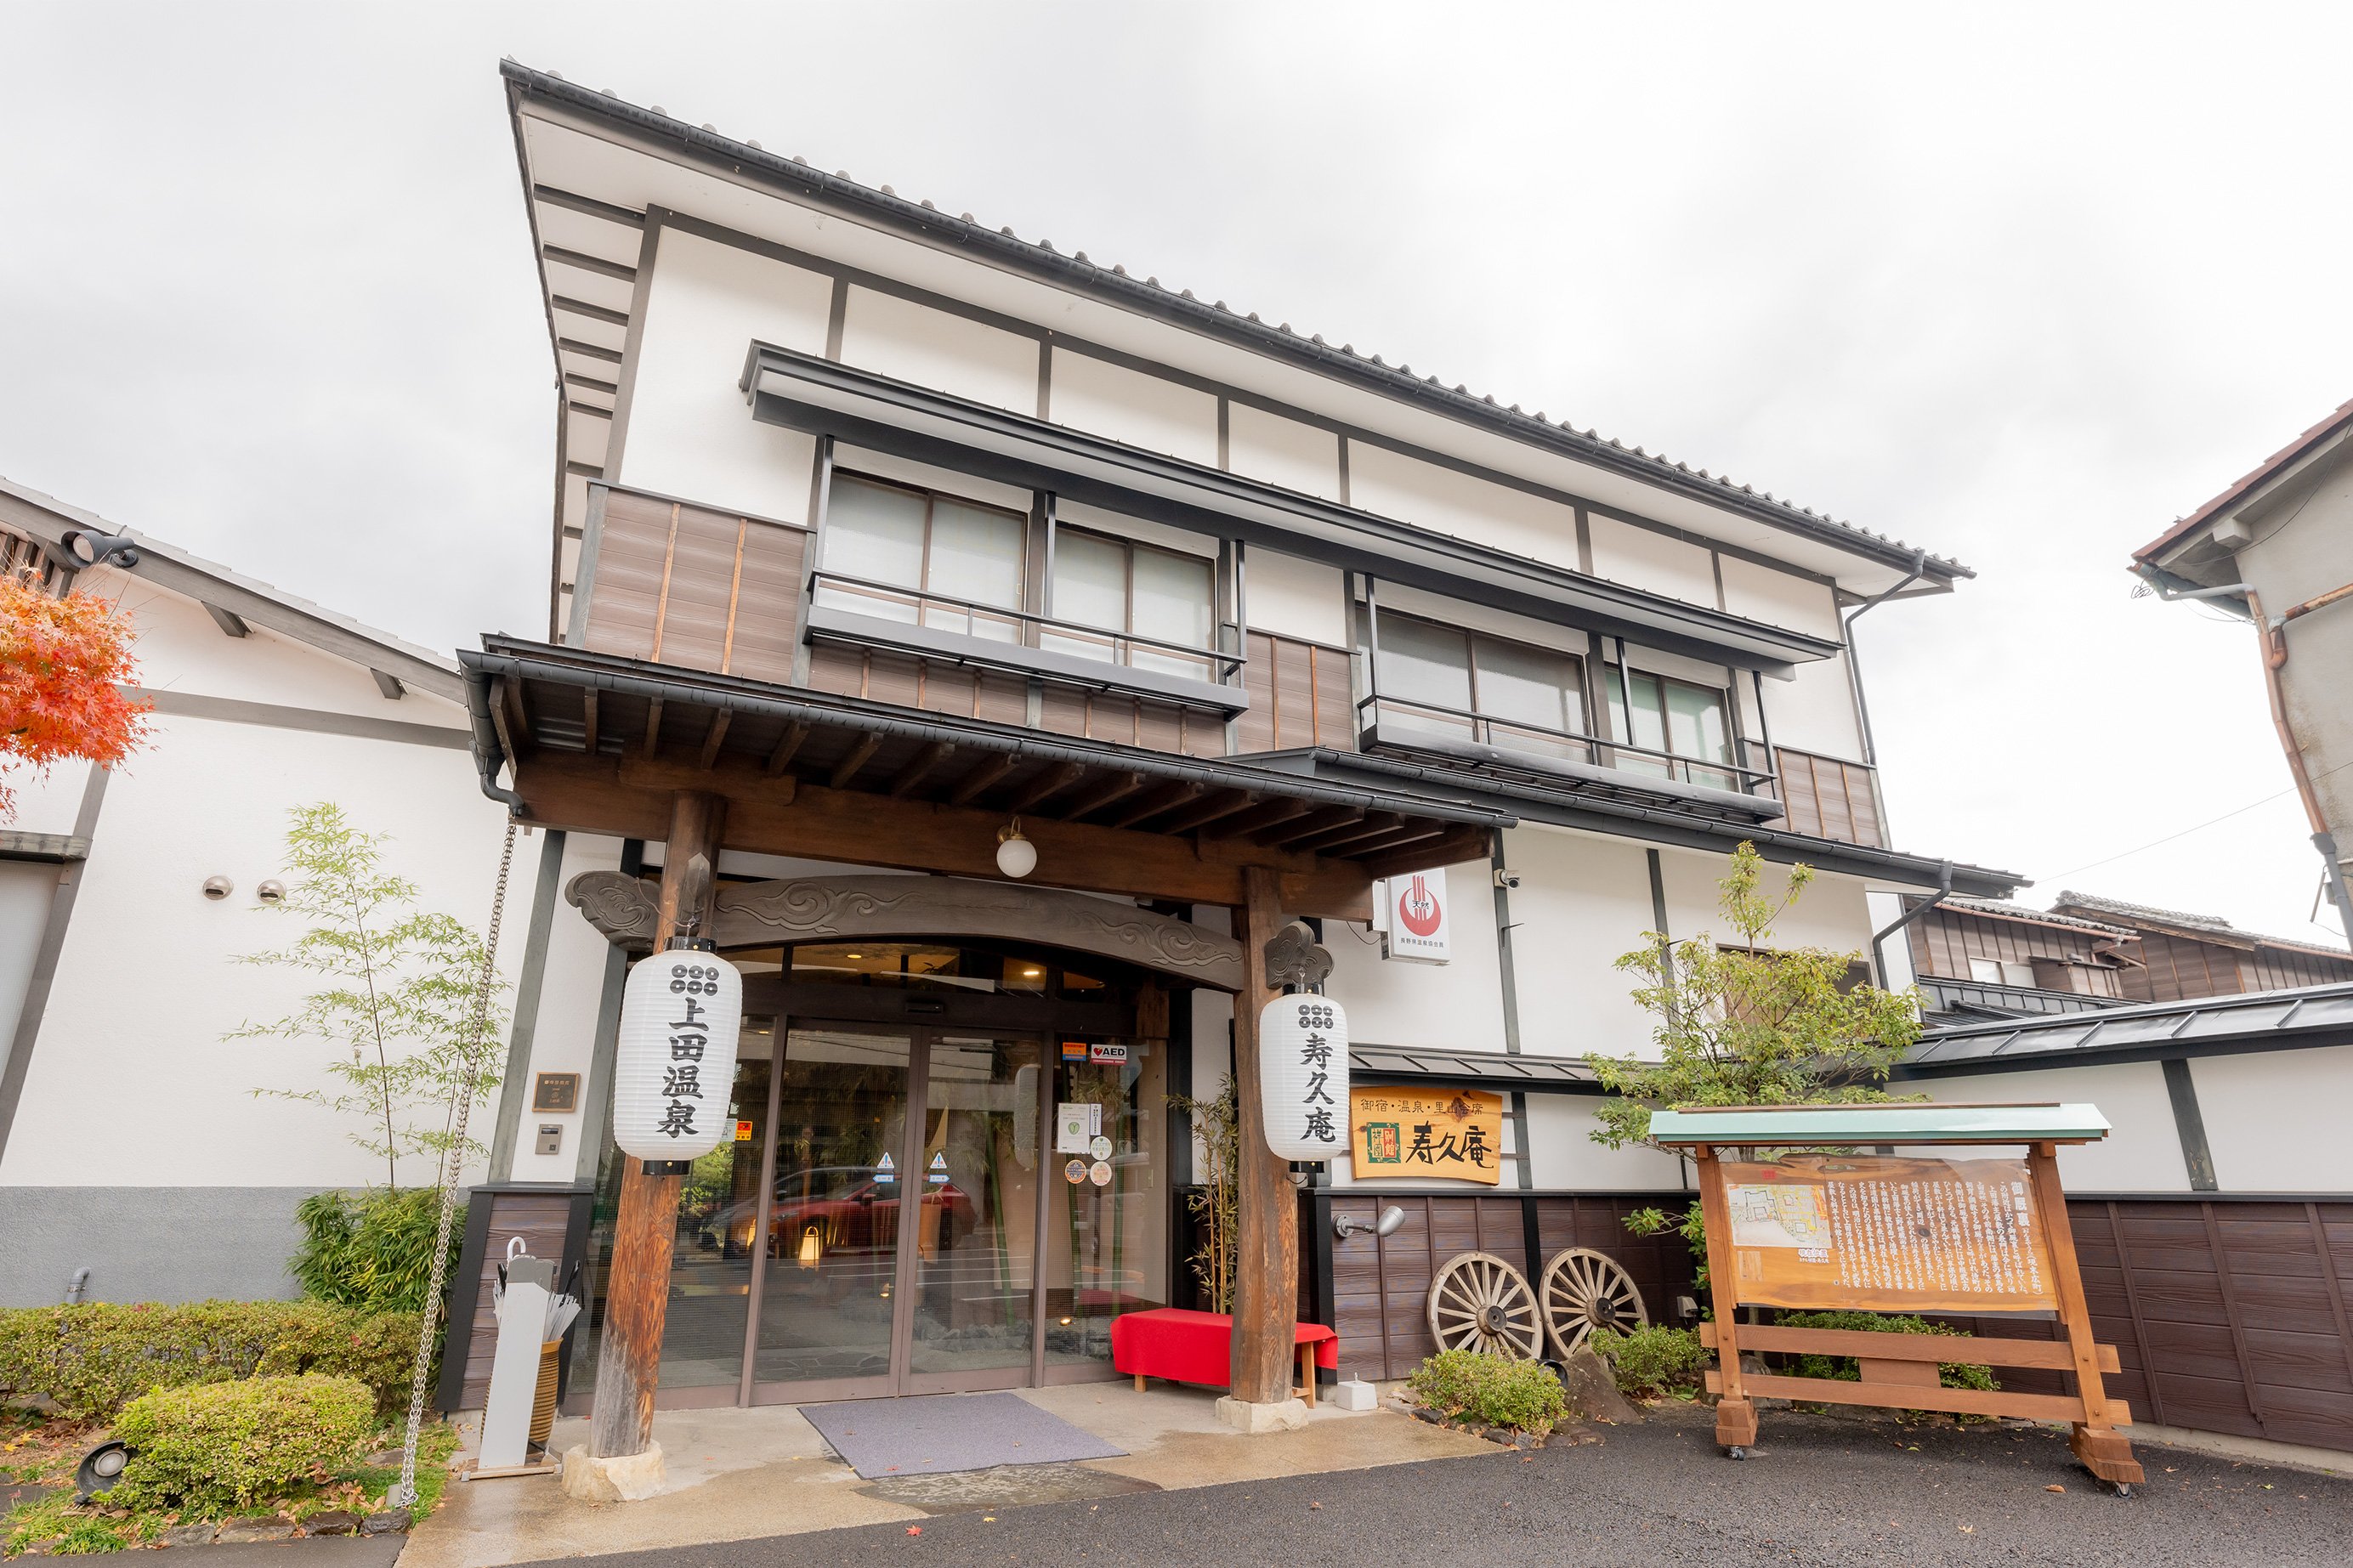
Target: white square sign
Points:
(1416, 921)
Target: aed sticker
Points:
(1075, 1171)
(1104, 1053)
(1100, 1173)
(1101, 1147)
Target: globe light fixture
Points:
(1016, 855)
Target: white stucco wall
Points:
(1814, 710)
(1560, 1138)
(1641, 558)
(1457, 1005)
(2142, 1155)
(1583, 900)
(1296, 598)
(564, 1033)
(935, 349)
(1410, 490)
(2275, 1121)
(1283, 451)
(1779, 598)
(1151, 412)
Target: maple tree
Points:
(64, 663)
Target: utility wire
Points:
(2125, 855)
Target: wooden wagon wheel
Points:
(1478, 1303)
(1583, 1290)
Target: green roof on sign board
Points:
(1898, 1123)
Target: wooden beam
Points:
(717, 734)
(1310, 825)
(518, 715)
(1048, 781)
(1266, 1273)
(653, 727)
(1242, 825)
(1166, 799)
(637, 1283)
(847, 769)
(794, 733)
(981, 777)
(1115, 787)
(588, 719)
(1374, 825)
(628, 797)
(920, 764)
(1223, 804)
(1412, 831)
(503, 726)
(1447, 849)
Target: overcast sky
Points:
(2018, 284)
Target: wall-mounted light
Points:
(1016, 855)
(91, 548)
(270, 891)
(1347, 1224)
(219, 887)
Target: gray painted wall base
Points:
(148, 1244)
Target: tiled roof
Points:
(1115, 281)
(1997, 909)
(2252, 479)
(2210, 925)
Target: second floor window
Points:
(924, 558)
(1685, 721)
(1118, 587)
(1439, 681)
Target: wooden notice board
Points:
(1421, 1134)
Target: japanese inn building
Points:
(881, 532)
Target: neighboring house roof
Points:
(2209, 1025)
(1115, 284)
(2247, 483)
(2201, 927)
(1997, 909)
(233, 599)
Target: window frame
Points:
(1127, 585)
(1618, 674)
(932, 497)
(1471, 637)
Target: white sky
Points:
(2017, 283)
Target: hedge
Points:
(1490, 1391)
(90, 1360)
(226, 1446)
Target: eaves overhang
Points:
(880, 208)
(1652, 823)
(2294, 1019)
(821, 396)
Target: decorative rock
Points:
(627, 1478)
(1593, 1390)
(334, 1521)
(266, 1527)
(189, 1535)
(1246, 1415)
(1354, 1394)
(391, 1522)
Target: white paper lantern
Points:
(1302, 1077)
(674, 1063)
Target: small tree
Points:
(399, 1005)
(1214, 1201)
(1743, 1023)
(64, 664)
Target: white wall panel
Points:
(1560, 1140)
(1296, 598)
(1146, 411)
(1457, 1005)
(1283, 451)
(1815, 712)
(1411, 490)
(1777, 598)
(1655, 562)
(2142, 1155)
(911, 342)
(572, 990)
(1582, 900)
(1448, 612)
(48, 802)
(690, 432)
(26, 888)
(1833, 912)
(2275, 1122)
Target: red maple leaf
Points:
(64, 663)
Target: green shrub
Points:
(1652, 1362)
(1489, 1391)
(1845, 1368)
(226, 1446)
(88, 1360)
(371, 1249)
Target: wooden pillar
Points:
(1266, 1281)
(637, 1290)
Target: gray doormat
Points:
(934, 1434)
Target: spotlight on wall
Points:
(94, 549)
(1016, 855)
(219, 887)
(1347, 1224)
(270, 891)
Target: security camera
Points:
(1506, 879)
(94, 549)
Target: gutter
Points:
(1854, 671)
(488, 753)
(1879, 937)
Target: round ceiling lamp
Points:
(1016, 855)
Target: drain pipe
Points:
(1853, 672)
(1879, 937)
(2270, 635)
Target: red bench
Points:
(1197, 1347)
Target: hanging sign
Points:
(674, 1061)
(1415, 924)
(1303, 1075)
(1424, 1134)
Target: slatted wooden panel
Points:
(540, 1219)
(1946, 940)
(688, 585)
(1299, 696)
(1829, 798)
(2178, 969)
(1130, 720)
(2277, 969)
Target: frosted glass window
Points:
(1422, 663)
(1530, 685)
(925, 544)
(1171, 598)
(875, 532)
(975, 553)
(1090, 589)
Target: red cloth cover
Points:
(1196, 1347)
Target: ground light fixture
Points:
(1347, 1224)
(1016, 855)
(812, 1249)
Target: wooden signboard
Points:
(1889, 1233)
(1425, 1135)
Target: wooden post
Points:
(2101, 1449)
(1735, 1415)
(1266, 1281)
(637, 1290)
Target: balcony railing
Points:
(1016, 629)
(1396, 720)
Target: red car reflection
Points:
(852, 1207)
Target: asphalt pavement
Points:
(1829, 1490)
